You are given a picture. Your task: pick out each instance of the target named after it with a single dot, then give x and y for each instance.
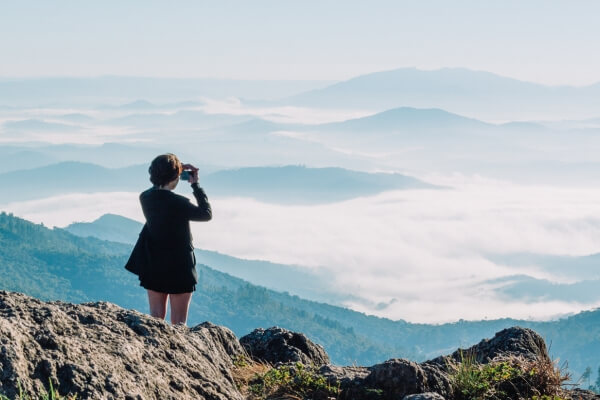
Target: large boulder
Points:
(344, 376)
(350, 380)
(438, 380)
(278, 345)
(516, 341)
(397, 378)
(102, 351)
(392, 379)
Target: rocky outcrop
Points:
(278, 345)
(101, 351)
(398, 378)
(393, 379)
(515, 341)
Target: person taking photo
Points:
(163, 257)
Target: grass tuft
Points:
(507, 378)
(51, 395)
(257, 381)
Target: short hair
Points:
(164, 169)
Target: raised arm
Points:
(200, 212)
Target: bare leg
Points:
(180, 304)
(158, 304)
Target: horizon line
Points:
(4, 78)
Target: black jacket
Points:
(163, 256)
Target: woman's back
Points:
(167, 224)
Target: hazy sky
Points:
(552, 42)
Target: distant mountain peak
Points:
(407, 116)
(460, 90)
(112, 219)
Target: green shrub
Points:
(296, 380)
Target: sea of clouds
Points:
(418, 255)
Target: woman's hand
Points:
(189, 167)
(193, 172)
(194, 176)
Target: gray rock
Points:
(350, 380)
(516, 341)
(278, 345)
(344, 376)
(101, 351)
(397, 378)
(438, 380)
(424, 396)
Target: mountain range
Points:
(108, 155)
(474, 93)
(287, 184)
(458, 90)
(119, 90)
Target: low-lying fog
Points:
(418, 255)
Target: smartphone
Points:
(185, 176)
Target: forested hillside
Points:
(54, 264)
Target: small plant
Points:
(296, 381)
(240, 361)
(507, 378)
(52, 395)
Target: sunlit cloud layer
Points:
(73, 134)
(281, 114)
(78, 207)
(418, 255)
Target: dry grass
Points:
(508, 377)
(245, 371)
(258, 381)
(545, 376)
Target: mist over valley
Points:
(409, 207)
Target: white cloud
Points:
(78, 207)
(282, 114)
(424, 248)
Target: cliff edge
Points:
(102, 351)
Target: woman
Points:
(164, 258)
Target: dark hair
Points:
(164, 169)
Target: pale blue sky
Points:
(552, 42)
